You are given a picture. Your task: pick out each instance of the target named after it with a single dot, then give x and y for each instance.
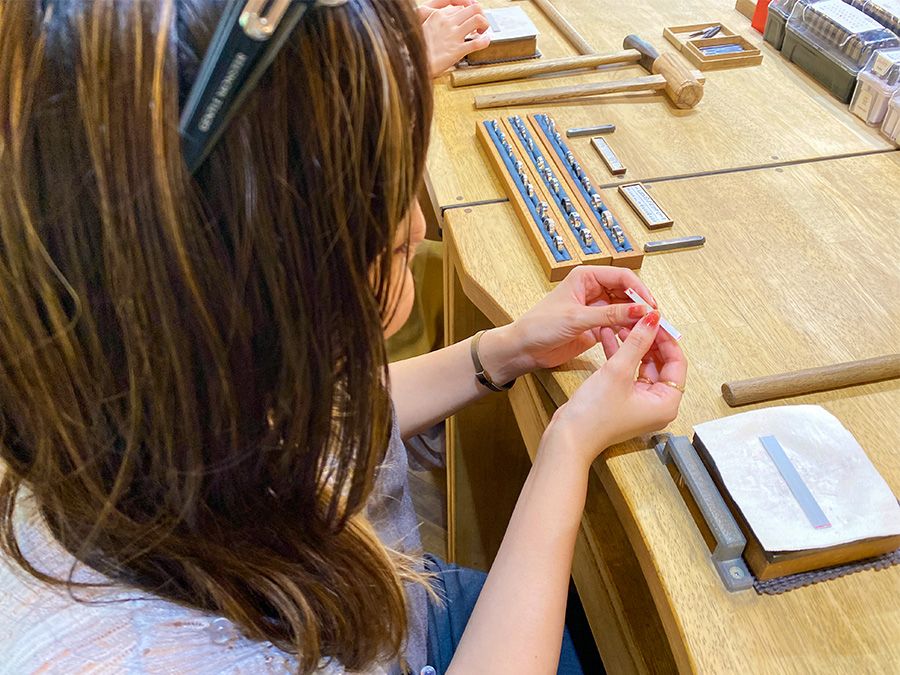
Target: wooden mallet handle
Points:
(798, 383)
(563, 26)
(557, 94)
(574, 91)
(518, 71)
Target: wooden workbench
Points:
(800, 204)
(749, 117)
(800, 269)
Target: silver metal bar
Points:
(692, 241)
(730, 541)
(590, 131)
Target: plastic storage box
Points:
(776, 19)
(890, 128)
(877, 82)
(832, 41)
(885, 12)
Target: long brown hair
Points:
(192, 371)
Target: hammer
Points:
(519, 71)
(683, 86)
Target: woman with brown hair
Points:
(203, 240)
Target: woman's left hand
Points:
(566, 322)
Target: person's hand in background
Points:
(445, 25)
(426, 8)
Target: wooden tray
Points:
(678, 35)
(750, 56)
(631, 259)
(553, 268)
(573, 242)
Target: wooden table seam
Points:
(698, 174)
(752, 167)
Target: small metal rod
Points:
(590, 131)
(692, 241)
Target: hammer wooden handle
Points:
(646, 83)
(809, 381)
(518, 71)
(557, 94)
(563, 26)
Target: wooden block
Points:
(746, 7)
(513, 37)
(631, 259)
(554, 269)
(679, 35)
(748, 56)
(773, 564)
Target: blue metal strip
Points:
(788, 471)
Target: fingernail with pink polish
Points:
(651, 320)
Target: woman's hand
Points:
(446, 26)
(565, 323)
(612, 406)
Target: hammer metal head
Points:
(648, 52)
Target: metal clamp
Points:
(730, 541)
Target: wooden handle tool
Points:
(809, 381)
(519, 71)
(563, 26)
(560, 94)
(683, 87)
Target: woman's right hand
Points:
(611, 406)
(446, 29)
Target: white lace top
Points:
(44, 630)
